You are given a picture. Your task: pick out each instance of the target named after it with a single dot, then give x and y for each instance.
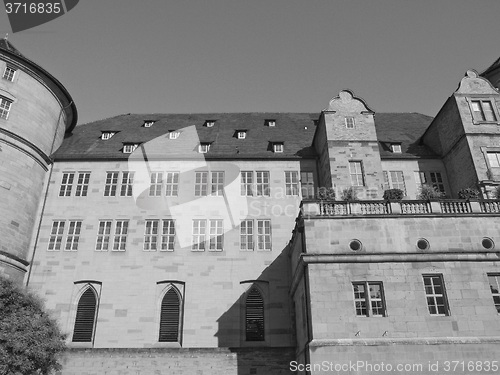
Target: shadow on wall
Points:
(259, 327)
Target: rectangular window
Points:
(168, 235)
(217, 184)
(111, 184)
(292, 183)
(246, 235)
(264, 235)
(493, 159)
(127, 183)
(278, 147)
(494, 280)
(242, 134)
(5, 106)
(9, 73)
(307, 185)
(396, 148)
(201, 184)
(216, 236)
(172, 184)
(130, 147)
(82, 184)
(246, 183)
(262, 184)
(356, 172)
(120, 240)
(395, 180)
(151, 235)
(103, 235)
(349, 122)
(420, 178)
(203, 148)
(74, 230)
(56, 235)
(199, 235)
(435, 295)
(107, 135)
(482, 111)
(437, 181)
(66, 184)
(369, 298)
(156, 184)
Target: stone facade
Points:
(277, 263)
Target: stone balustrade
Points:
(405, 207)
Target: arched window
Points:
(85, 317)
(254, 319)
(170, 316)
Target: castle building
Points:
(194, 243)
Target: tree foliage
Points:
(349, 194)
(428, 192)
(30, 340)
(393, 194)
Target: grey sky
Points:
(124, 56)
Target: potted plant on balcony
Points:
(468, 193)
(326, 194)
(349, 195)
(393, 194)
(496, 193)
(428, 193)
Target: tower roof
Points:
(8, 46)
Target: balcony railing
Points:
(413, 207)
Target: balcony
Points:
(452, 207)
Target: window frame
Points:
(104, 238)
(163, 237)
(265, 239)
(396, 148)
(291, 183)
(55, 242)
(204, 148)
(368, 300)
(127, 183)
(9, 73)
(278, 147)
(155, 184)
(199, 235)
(434, 296)
(96, 293)
(247, 233)
(357, 174)
(350, 122)
(494, 110)
(5, 107)
(73, 235)
(398, 184)
(260, 335)
(82, 184)
(241, 134)
(67, 181)
(495, 295)
(307, 185)
(172, 183)
(247, 184)
(107, 135)
(120, 235)
(111, 183)
(129, 148)
(216, 235)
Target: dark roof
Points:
(295, 130)
(492, 67)
(404, 128)
(8, 46)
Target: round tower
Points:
(35, 113)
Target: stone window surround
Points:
(482, 98)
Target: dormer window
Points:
(349, 122)
(242, 134)
(203, 148)
(271, 122)
(396, 148)
(278, 147)
(128, 148)
(107, 135)
(148, 123)
(174, 134)
(209, 123)
(9, 73)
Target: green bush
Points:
(393, 194)
(496, 193)
(349, 195)
(468, 193)
(326, 194)
(30, 340)
(428, 192)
